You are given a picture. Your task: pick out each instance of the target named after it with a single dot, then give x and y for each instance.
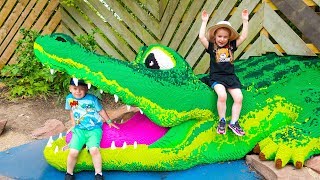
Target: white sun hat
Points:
(210, 33)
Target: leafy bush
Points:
(88, 41)
(28, 78)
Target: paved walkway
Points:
(27, 162)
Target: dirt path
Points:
(24, 116)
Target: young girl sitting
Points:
(220, 42)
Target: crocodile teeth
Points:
(135, 145)
(75, 80)
(49, 143)
(89, 85)
(124, 145)
(52, 71)
(128, 107)
(116, 98)
(141, 111)
(60, 135)
(113, 145)
(56, 149)
(101, 91)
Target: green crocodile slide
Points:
(280, 114)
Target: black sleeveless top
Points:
(221, 67)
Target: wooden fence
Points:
(280, 26)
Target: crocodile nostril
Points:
(60, 39)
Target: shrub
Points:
(29, 78)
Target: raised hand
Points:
(204, 15)
(245, 14)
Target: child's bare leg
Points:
(96, 159)
(72, 160)
(236, 108)
(237, 104)
(222, 98)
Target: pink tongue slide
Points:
(139, 128)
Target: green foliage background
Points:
(29, 78)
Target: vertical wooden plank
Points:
(177, 17)
(2, 2)
(203, 65)
(117, 25)
(9, 37)
(152, 6)
(277, 28)
(166, 18)
(84, 24)
(4, 13)
(150, 22)
(45, 15)
(53, 23)
(108, 32)
(78, 23)
(127, 18)
(188, 19)
(26, 24)
(65, 29)
(307, 21)
(48, 29)
(13, 17)
(60, 28)
(162, 7)
(70, 23)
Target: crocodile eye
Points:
(157, 59)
